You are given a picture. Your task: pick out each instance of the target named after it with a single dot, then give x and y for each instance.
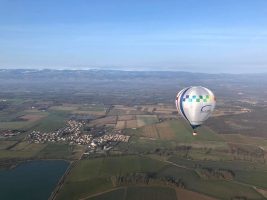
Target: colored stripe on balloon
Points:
(181, 103)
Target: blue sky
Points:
(190, 35)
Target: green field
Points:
(139, 193)
(28, 151)
(210, 154)
(25, 150)
(145, 145)
(253, 177)
(56, 151)
(93, 107)
(152, 193)
(216, 188)
(105, 167)
(17, 125)
(7, 116)
(54, 121)
(81, 109)
(254, 174)
(10, 120)
(92, 176)
(78, 189)
(207, 145)
(5, 144)
(143, 120)
(67, 108)
(183, 132)
(117, 194)
(234, 164)
(242, 139)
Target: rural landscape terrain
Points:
(122, 138)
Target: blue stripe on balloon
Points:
(182, 109)
(181, 103)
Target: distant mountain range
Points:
(96, 73)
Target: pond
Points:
(31, 180)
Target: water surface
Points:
(34, 180)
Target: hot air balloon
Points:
(195, 104)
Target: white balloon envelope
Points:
(195, 104)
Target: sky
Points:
(228, 36)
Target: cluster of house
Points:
(73, 135)
(8, 133)
(100, 141)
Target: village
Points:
(73, 134)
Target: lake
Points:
(31, 180)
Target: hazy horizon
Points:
(134, 70)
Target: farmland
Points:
(218, 188)
(23, 151)
(143, 120)
(92, 109)
(53, 121)
(107, 169)
(246, 172)
(161, 144)
(160, 159)
(98, 174)
(146, 192)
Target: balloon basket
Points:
(194, 133)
